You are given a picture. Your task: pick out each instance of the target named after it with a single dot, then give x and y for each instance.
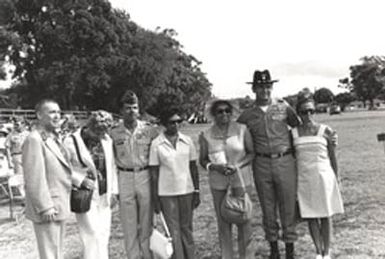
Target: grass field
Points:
(359, 233)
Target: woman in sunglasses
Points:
(318, 190)
(224, 148)
(175, 182)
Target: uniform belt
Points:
(274, 155)
(16, 153)
(135, 169)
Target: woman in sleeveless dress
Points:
(319, 196)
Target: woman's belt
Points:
(274, 155)
(135, 169)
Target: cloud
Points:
(311, 68)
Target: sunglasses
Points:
(175, 121)
(221, 111)
(307, 111)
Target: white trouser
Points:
(94, 228)
(49, 237)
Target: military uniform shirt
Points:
(132, 148)
(15, 141)
(270, 129)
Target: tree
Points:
(245, 103)
(84, 53)
(323, 95)
(367, 79)
(344, 99)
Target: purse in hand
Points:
(236, 209)
(80, 199)
(161, 244)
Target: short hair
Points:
(167, 113)
(214, 106)
(42, 102)
(128, 97)
(304, 96)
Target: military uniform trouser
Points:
(276, 183)
(136, 213)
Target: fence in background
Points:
(6, 114)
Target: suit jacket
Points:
(47, 175)
(80, 172)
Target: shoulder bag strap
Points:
(77, 151)
(164, 224)
(241, 179)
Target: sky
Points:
(304, 43)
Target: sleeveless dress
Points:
(318, 192)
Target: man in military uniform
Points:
(14, 143)
(132, 139)
(274, 165)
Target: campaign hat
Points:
(262, 77)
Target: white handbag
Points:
(161, 244)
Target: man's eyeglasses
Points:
(221, 111)
(307, 111)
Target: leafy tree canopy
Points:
(366, 79)
(323, 95)
(86, 54)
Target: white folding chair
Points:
(15, 183)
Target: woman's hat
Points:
(261, 77)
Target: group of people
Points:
(285, 152)
(291, 159)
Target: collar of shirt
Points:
(181, 138)
(232, 131)
(139, 126)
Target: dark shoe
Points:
(289, 247)
(274, 252)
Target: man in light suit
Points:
(47, 180)
(91, 151)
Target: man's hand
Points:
(88, 184)
(49, 215)
(196, 200)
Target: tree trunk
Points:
(371, 104)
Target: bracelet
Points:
(208, 165)
(196, 191)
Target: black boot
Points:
(274, 252)
(289, 250)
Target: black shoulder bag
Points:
(80, 196)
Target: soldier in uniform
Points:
(14, 143)
(132, 138)
(274, 165)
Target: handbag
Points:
(80, 199)
(161, 244)
(236, 209)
